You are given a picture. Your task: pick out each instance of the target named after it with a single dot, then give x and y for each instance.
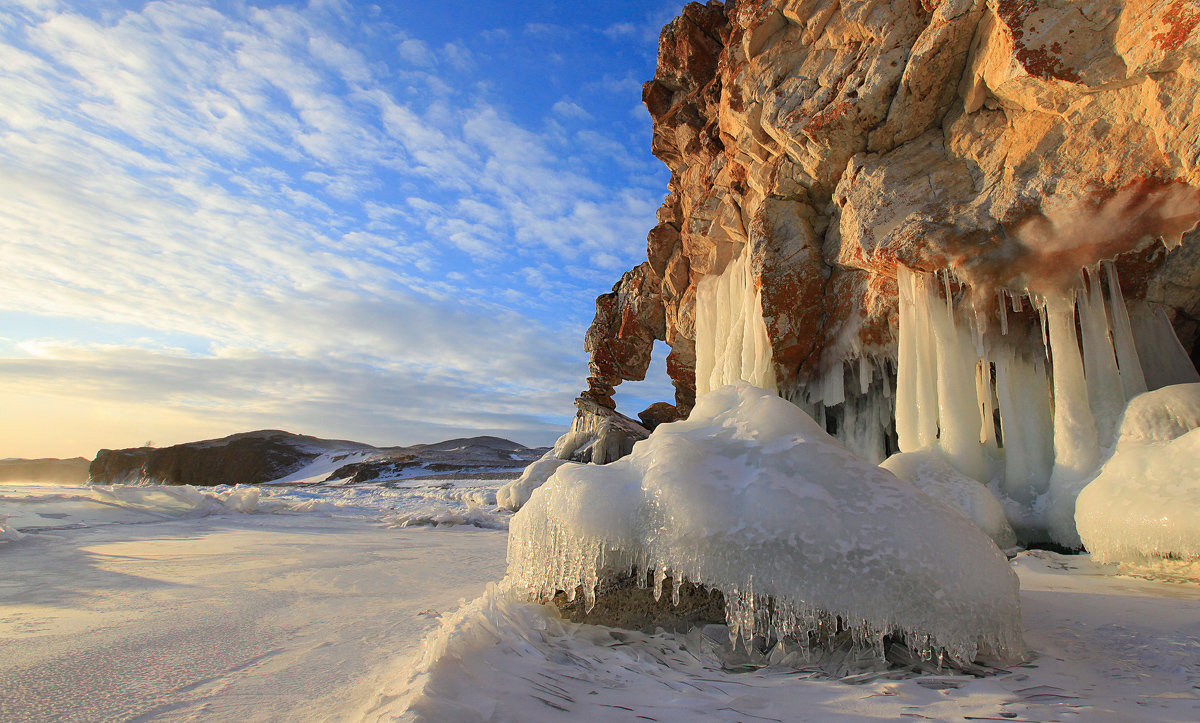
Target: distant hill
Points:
(63, 471)
(272, 455)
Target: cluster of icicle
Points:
(731, 336)
(750, 497)
(1058, 400)
(563, 562)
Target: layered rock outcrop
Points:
(1006, 143)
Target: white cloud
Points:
(570, 109)
(417, 52)
(249, 179)
(459, 57)
(621, 30)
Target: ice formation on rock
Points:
(1143, 504)
(731, 337)
(929, 471)
(598, 435)
(1031, 404)
(750, 496)
(516, 493)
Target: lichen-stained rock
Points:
(1010, 142)
(658, 413)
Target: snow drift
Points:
(1144, 505)
(751, 497)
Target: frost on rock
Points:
(933, 475)
(598, 434)
(1144, 505)
(750, 496)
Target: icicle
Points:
(925, 363)
(1016, 303)
(958, 416)
(1106, 398)
(1133, 381)
(1076, 452)
(1040, 305)
(1023, 396)
(1164, 360)
(984, 397)
(731, 336)
(864, 375)
(907, 413)
(1003, 311)
(833, 385)
(949, 296)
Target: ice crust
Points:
(1145, 502)
(37, 508)
(516, 493)
(933, 475)
(750, 496)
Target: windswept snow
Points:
(1106, 648)
(751, 497)
(36, 508)
(232, 618)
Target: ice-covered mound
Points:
(751, 497)
(932, 474)
(1161, 415)
(516, 493)
(1144, 505)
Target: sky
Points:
(384, 222)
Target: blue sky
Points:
(383, 222)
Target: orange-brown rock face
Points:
(1010, 142)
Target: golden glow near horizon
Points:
(339, 219)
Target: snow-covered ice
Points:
(147, 615)
(319, 609)
(751, 497)
(516, 493)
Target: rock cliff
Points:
(1005, 144)
(270, 455)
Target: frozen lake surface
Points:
(314, 603)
